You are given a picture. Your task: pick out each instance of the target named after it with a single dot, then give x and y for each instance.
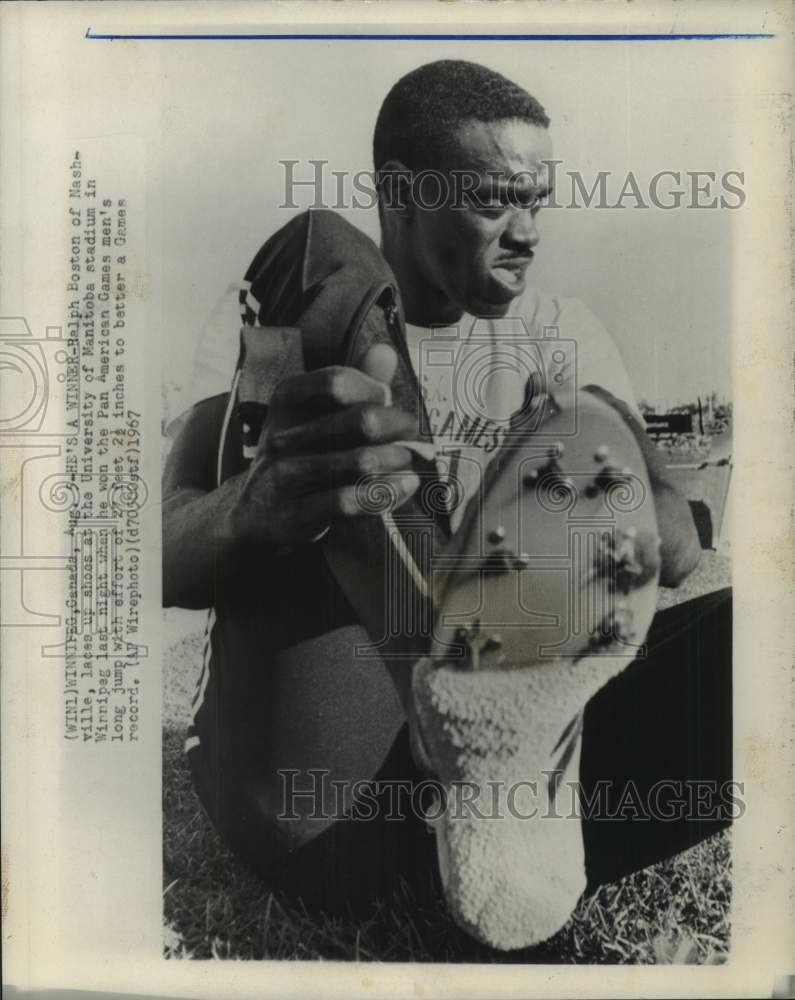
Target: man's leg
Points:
(281, 748)
(662, 728)
(368, 856)
(651, 735)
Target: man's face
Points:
(472, 256)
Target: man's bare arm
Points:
(195, 544)
(681, 550)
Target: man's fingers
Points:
(329, 388)
(320, 509)
(300, 474)
(352, 427)
(380, 363)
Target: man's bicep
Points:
(192, 461)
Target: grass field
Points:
(674, 912)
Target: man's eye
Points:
(533, 202)
(494, 204)
(490, 203)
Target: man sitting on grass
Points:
(269, 529)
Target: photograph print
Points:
(447, 472)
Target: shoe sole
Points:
(546, 593)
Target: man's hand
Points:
(325, 430)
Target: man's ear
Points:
(394, 181)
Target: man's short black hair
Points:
(422, 112)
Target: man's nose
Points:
(521, 232)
